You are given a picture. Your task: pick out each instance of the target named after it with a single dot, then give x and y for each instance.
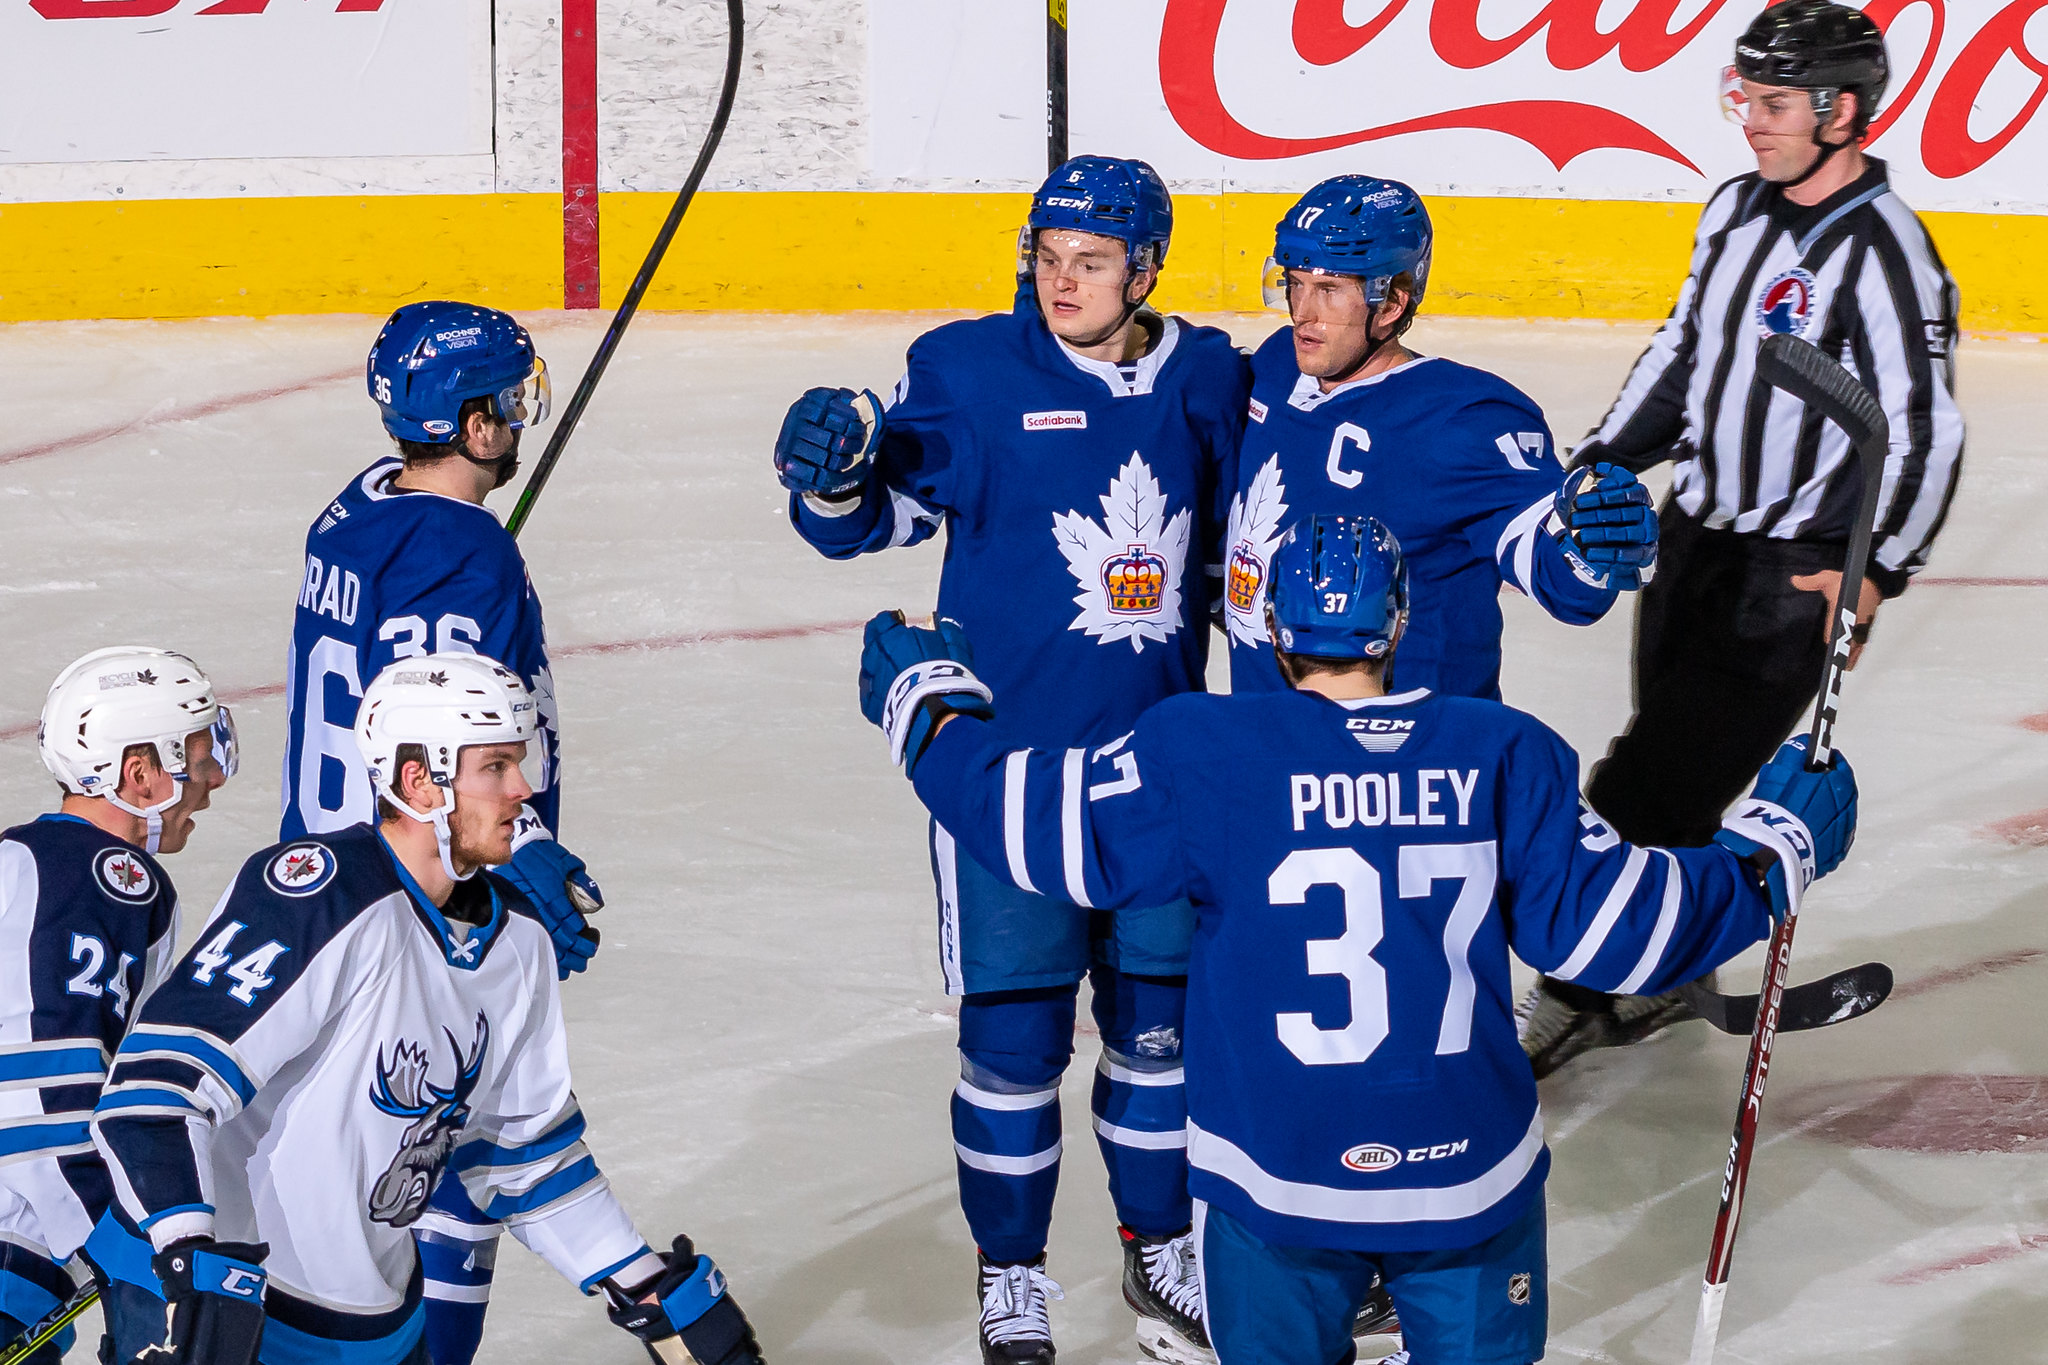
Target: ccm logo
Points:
(1055, 421)
(241, 1282)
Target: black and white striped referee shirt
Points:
(1856, 275)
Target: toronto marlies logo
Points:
(1258, 517)
(1128, 565)
(404, 1091)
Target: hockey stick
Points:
(736, 21)
(1055, 84)
(1833, 999)
(44, 1330)
(1800, 369)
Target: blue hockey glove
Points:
(1794, 819)
(913, 677)
(828, 441)
(215, 1293)
(561, 892)
(1605, 521)
(690, 1303)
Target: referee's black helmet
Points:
(1819, 46)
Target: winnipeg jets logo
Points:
(1258, 517)
(126, 876)
(404, 1091)
(300, 869)
(1128, 565)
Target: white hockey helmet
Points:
(444, 703)
(122, 696)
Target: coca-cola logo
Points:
(1573, 39)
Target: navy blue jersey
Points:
(1457, 462)
(1360, 872)
(329, 1046)
(1081, 506)
(390, 575)
(87, 925)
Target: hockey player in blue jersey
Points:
(367, 1010)
(1072, 451)
(1361, 864)
(403, 563)
(88, 925)
(1457, 462)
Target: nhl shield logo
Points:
(124, 876)
(1518, 1288)
(300, 869)
(1785, 305)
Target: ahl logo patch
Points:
(1518, 1288)
(124, 875)
(1378, 734)
(1785, 305)
(300, 869)
(1372, 1158)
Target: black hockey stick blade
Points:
(565, 427)
(1847, 994)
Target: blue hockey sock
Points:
(458, 1292)
(458, 1246)
(1140, 1100)
(1014, 1045)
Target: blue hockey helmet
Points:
(1339, 588)
(1118, 197)
(1353, 225)
(433, 357)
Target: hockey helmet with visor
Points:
(113, 699)
(433, 357)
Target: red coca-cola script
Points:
(1564, 129)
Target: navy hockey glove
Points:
(828, 440)
(691, 1306)
(913, 677)
(561, 892)
(1607, 525)
(215, 1292)
(1794, 819)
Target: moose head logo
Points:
(403, 1090)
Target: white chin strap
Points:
(154, 815)
(438, 818)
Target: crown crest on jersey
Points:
(1135, 581)
(1247, 574)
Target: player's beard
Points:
(476, 840)
(503, 468)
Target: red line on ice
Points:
(1991, 1255)
(189, 412)
(652, 645)
(1969, 971)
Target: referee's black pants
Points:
(1727, 661)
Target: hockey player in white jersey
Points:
(365, 1010)
(88, 922)
(406, 562)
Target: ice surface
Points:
(763, 1046)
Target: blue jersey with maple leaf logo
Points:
(1459, 465)
(1081, 506)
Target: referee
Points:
(1731, 633)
